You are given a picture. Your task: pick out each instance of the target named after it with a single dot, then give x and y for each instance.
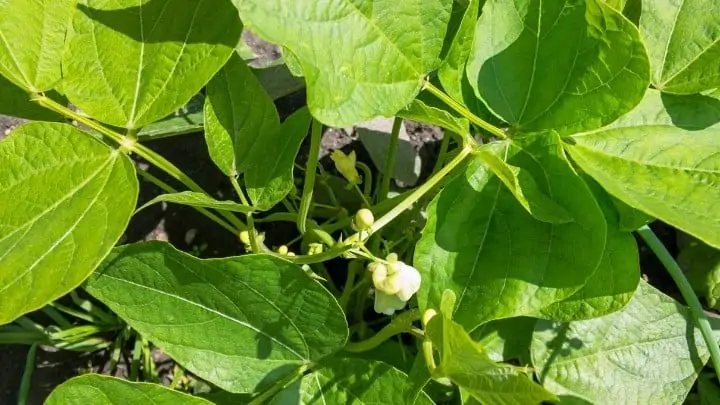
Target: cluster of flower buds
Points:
(395, 283)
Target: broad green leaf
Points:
(615, 280)
(351, 382)
(656, 160)
(357, 62)
(32, 33)
(521, 185)
(618, 5)
(424, 109)
(132, 62)
(466, 363)
(701, 263)
(499, 260)
(16, 102)
(230, 321)
(452, 70)
(565, 65)
(269, 181)
(65, 200)
(194, 199)
(238, 115)
(648, 353)
(683, 40)
(506, 339)
(99, 389)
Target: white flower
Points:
(395, 283)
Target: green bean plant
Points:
(511, 275)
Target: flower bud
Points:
(395, 283)
(364, 219)
(245, 237)
(283, 250)
(427, 316)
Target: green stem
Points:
(24, 392)
(279, 385)
(349, 282)
(131, 145)
(420, 191)
(400, 324)
(464, 111)
(169, 189)
(687, 292)
(444, 146)
(254, 244)
(136, 358)
(310, 172)
(367, 178)
(390, 160)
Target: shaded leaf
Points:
(521, 184)
(373, 68)
(351, 382)
(499, 260)
(654, 161)
(32, 33)
(230, 321)
(701, 263)
(506, 339)
(167, 57)
(708, 389)
(99, 389)
(194, 199)
(65, 200)
(238, 115)
(616, 278)
(648, 353)
(564, 65)
(269, 181)
(683, 41)
(452, 70)
(466, 364)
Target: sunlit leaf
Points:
(648, 353)
(357, 61)
(232, 322)
(32, 33)
(683, 40)
(663, 159)
(129, 63)
(65, 200)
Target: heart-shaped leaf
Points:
(65, 200)
(32, 33)
(683, 40)
(98, 389)
(231, 321)
(663, 159)
(565, 65)
(129, 63)
(648, 353)
(500, 261)
(373, 68)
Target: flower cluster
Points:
(395, 282)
